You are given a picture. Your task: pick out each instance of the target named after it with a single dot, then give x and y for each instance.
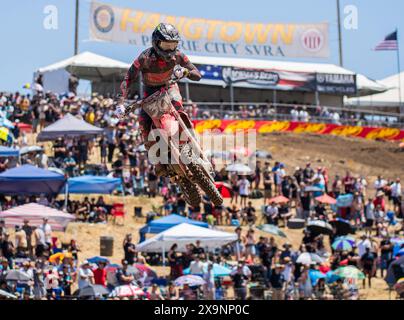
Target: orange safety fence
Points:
(231, 126)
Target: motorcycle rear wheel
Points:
(191, 192)
(200, 178)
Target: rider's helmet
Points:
(165, 40)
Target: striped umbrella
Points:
(190, 280)
(342, 245)
(349, 272)
(127, 291)
(350, 239)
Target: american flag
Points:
(389, 43)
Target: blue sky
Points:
(26, 45)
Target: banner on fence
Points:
(231, 126)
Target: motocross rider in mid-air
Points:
(157, 65)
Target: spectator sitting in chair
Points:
(272, 214)
(249, 216)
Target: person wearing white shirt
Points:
(294, 114)
(319, 176)
(303, 115)
(47, 229)
(362, 245)
(86, 276)
(244, 190)
(272, 213)
(396, 194)
(335, 118)
(197, 266)
(380, 183)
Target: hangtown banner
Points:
(211, 37)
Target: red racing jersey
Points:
(155, 70)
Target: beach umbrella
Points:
(93, 291)
(326, 199)
(350, 239)
(6, 135)
(98, 259)
(7, 294)
(317, 227)
(133, 270)
(57, 257)
(279, 199)
(400, 253)
(395, 271)
(241, 151)
(129, 290)
(342, 245)
(312, 189)
(17, 275)
(151, 274)
(261, 154)
(191, 280)
(218, 270)
(315, 275)
(342, 226)
(224, 189)
(28, 149)
(331, 277)
(308, 258)
(349, 272)
(239, 168)
(272, 229)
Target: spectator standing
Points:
(86, 275)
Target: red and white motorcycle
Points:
(176, 142)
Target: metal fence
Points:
(283, 112)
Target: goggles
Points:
(168, 45)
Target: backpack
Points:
(256, 194)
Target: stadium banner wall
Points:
(211, 37)
(231, 126)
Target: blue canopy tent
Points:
(8, 152)
(92, 184)
(160, 225)
(30, 180)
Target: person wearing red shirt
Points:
(379, 201)
(100, 274)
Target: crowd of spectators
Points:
(376, 212)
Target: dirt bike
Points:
(187, 165)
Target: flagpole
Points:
(399, 76)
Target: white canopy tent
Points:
(86, 65)
(389, 98)
(184, 234)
